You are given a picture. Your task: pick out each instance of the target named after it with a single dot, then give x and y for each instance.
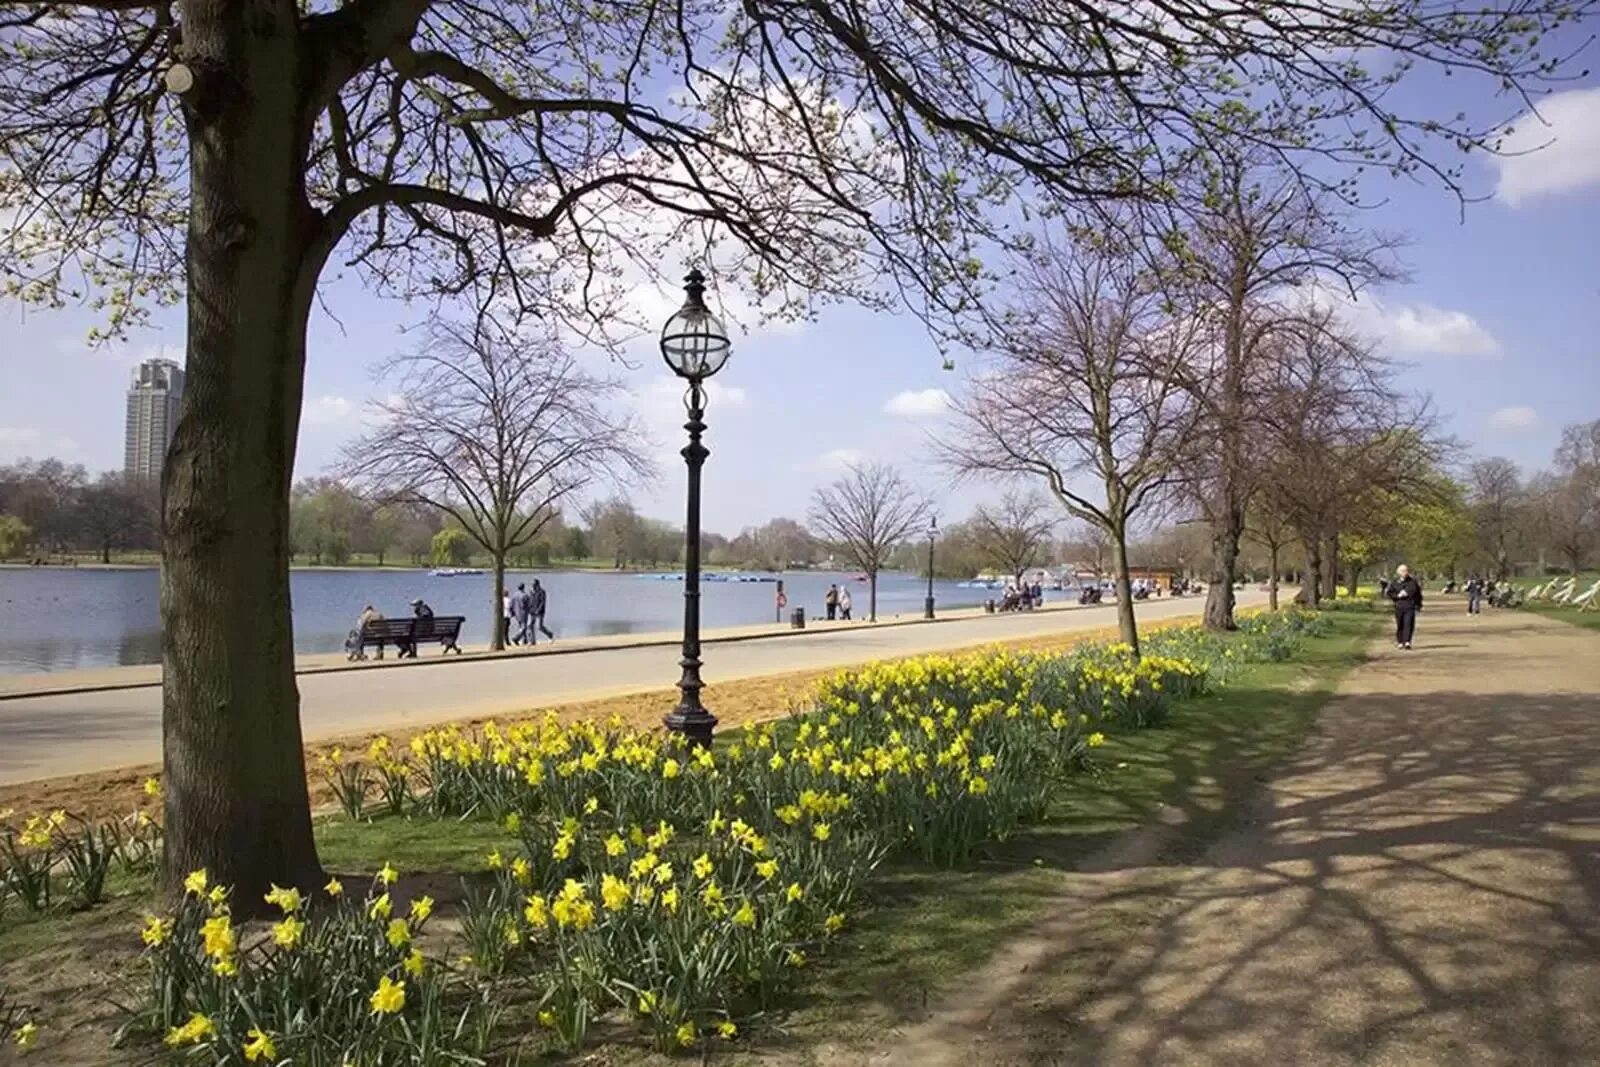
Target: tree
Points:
(1266, 526)
(1498, 502)
(616, 531)
(1339, 447)
(1090, 544)
(326, 520)
(1242, 245)
(221, 151)
(495, 429)
(44, 494)
(452, 547)
(115, 510)
(1014, 534)
(866, 514)
(1083, 385)
(15, 536)
(1568, 513)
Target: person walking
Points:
(830, 601)
(505, 617)
(1406, 592)
(538, 601)
(844, 604)
(519, 615)
(1474, 595)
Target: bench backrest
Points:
(439, 626)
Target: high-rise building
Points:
(153, 399)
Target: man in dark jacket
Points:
(1474, 595)
(1406, 592)
(538, 601)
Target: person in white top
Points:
(844, 603)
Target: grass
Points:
(1168, 792)
(1589, 620)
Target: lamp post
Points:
(695, 346)
(933, 531)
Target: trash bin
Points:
(797, 619)
(988, 607)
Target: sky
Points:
(1500, 322)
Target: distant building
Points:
(153, 399)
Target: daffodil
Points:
(767, 868)
(334, 887)
(389, 997)
(218, 937)
(156, 931)
(685, 1034)
(195, 882)
(413, 964)
(821, 831)
(727, 1030)
(27, 1035)
(794, 892)
(152, 787)
(398, 933)
(388, 875)
(286, 899)
(259, 1047)
(615, 846)
(647, 1002)
(199, 1028)
(833, 923)
(288, 932)
(745, 916)
(380, 908)
(421, 908)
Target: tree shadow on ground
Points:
(1421, 885)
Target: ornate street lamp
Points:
(933, 531)
(695, 346)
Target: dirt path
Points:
(1421, 885)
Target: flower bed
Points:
(683, 889)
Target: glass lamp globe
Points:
(694, 342)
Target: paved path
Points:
(52, 735)
(1421, 886)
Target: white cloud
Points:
(327, 411)
(918, 403)
(1514, 419)
(1409, 329)
(833, 461)
(1555, 150)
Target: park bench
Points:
(407, 634)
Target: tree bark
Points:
(234, 774)
(1311, 584)
(1330, 570)
(872, 595)
(1272, 579)
(497, 642)
(1127, 623)
(1354, 585)
(1225, 534)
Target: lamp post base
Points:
(927, 607)
(696, 724)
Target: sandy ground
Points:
(1419, 886)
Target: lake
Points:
(57, 619)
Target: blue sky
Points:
(1501, 323)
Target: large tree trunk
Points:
(1127, 624)
(234, 774)
(1311, 583)
(1354, 585)
(1225, 533)
(872, 595)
